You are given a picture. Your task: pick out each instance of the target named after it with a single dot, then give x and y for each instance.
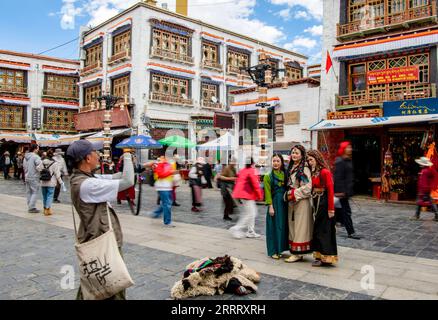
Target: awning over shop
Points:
(250, 105)
(371, 122)
(56, 140)
(16, 137)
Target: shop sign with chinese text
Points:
(354, 114)
(410, 107)
(403, 74)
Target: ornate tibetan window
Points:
(357, 79)
(61, 86)
(171, 46)
(210, 55)
(120, 87)
(293, 73)
(210, 95)
(91, 93)
(236, 60)
(12, 81)
(12, 117)
(59, 119)
(170, 89)
(93, 55)
(122, 43)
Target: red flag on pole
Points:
(328, 63)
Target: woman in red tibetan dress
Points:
(324, 245)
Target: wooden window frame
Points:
(119, 42)
(89, 97)
(237, 57)
(169, 80)
(6, 114)
(293, 71)
(172, 39)
(67, 125)
(72, 92)
(205, 86)
(94, 55)
(6, 76)
(120, 86)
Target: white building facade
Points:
(38, 95)
(169, 68)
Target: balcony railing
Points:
(92, 68)
(233, 69)
(211, 105)
(209, 64)
(389, 92)
(170, 55)
(13, 125)
(51, 93)
(167, 98)
(58, 128)
(123, 56)
(416, 14)
(14, 90)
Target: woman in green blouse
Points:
(276, 216)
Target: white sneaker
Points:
(236, 233)
(252, 235)
(170, 225)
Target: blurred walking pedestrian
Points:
(164, 184)
(299, 186)
(58, 157)
(208, 174)
(324, 245)
(50, 176)
(276, 215)
(227, 179)
(32, 177)
(217, 172)
(248, 190)
(7, 163)
(196, 181)
(128, 194)
(344, 185)
(427, 182)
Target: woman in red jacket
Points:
(324, 229)
(247, 189)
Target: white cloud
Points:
(285, 14)
(315, 30)
(302, 15)
(234, 15)
(313, 7)
(68, 14)
(301, 42)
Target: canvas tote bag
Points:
(101, 266)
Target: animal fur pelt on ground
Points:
(209, 276)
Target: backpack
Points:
(45, 173)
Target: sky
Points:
(35, 26)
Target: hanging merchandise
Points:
(388, 161)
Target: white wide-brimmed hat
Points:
(424, 162)
(58, 151)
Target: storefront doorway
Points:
(366, 161)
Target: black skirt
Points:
(324, 245)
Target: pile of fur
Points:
(207, 277)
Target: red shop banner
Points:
(403, 74)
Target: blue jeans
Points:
(165, 206)
(48, 196)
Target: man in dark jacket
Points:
(344, 185)
(208, 173)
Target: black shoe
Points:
(176, 204)
(119, 202)
(354, 236)
(228, 218)
(56, 201)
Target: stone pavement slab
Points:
(31, 276)
(208, 241)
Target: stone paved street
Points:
(156, 256)
(384, 227)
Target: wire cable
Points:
(59, 46)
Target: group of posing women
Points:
(300, 214)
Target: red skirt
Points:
(130, 192)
